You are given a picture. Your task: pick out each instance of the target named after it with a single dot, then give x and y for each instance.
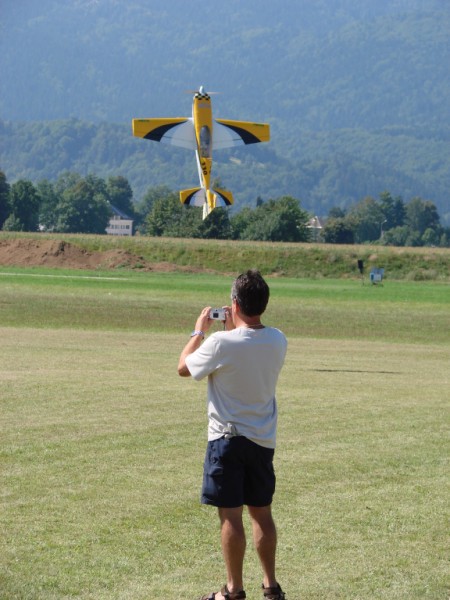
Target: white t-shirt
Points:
(242, 366)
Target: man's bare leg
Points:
(265, 540)
(233, 546)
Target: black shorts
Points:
(236, 472)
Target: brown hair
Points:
(251, 292)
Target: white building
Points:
(119, 223)
(316, 225)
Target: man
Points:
(242, 364)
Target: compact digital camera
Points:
(218, 314)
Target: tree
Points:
(120, 194)
(430, 237)
(171, 219)
(421, 223)
(281, 220)
(84, 208)
(421, 215)
(4, 198)
(216, 225)
(189, 225)
(414, 239)
(397, 236)
(366, 219)
(145, 206)
(336, 212)
(24, 205)
(49, 200)
(67, 180)
(444, 241)
(240, 221)
(164, 217)
(338, 231)
(393, 210)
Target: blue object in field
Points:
(376, 275)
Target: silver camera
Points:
(218, 314)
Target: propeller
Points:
(201, 91)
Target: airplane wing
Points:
(227, 134)
(177, 132)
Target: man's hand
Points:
(203, 323)
(229, 325)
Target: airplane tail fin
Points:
(223, 198)
(217, 198)
(209, 199)
(193, 197)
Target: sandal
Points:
(226, 594)
(273, 593)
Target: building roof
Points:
(315, 223)
(119, 213)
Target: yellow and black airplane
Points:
(203, 134)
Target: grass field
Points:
(102, 443)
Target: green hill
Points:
(357, 94)
(315, 261)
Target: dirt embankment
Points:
(58, 253)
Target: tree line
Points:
(335, 168)
(389, 221)
(76, 204)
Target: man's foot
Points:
(273, 593)
(224, 594)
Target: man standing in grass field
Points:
(242, 363)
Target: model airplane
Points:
(203, 134)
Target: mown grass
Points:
(170, 302)
(102, 443)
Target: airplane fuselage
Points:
(203, 126)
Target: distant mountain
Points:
(357, 93)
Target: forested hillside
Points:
(357, 93)
(338, 168)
